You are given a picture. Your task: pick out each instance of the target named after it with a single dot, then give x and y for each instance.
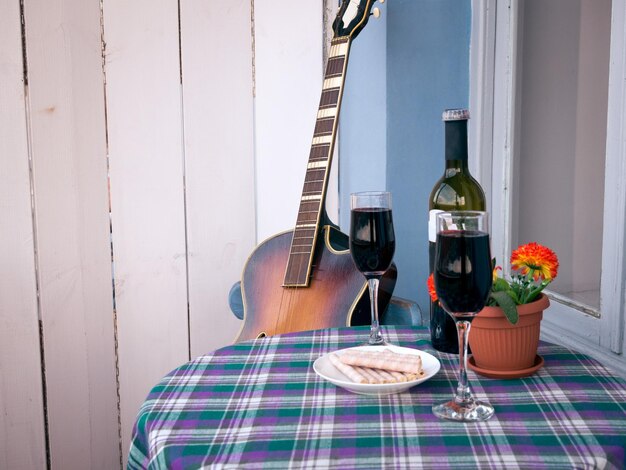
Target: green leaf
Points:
(500, 285)
(506, 303)
(514, 296)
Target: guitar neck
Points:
(312, 202)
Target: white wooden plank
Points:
(219, 156)
(504, 109)
(74, 259)
(482, 81)
(288, 71)
(147, 196)
(613, 291)
(22, 431)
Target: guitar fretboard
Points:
(311, 207)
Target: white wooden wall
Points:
(284, 60)
(153, 145)
(22, 440)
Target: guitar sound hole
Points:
(262, 334)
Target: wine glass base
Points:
(376, 343)
(470, 411)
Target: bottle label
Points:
(432, 225)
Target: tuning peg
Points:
(376, 13)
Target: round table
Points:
(260, 404)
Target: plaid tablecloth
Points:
(260, 404)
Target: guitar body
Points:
(336, 296)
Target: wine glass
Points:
(372, 244)
(463, 277)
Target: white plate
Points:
(325, 369)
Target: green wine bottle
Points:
(456, 190)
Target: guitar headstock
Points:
(353, 16)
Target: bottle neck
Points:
(456, 144)
(456, 166)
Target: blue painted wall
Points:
(427, 70)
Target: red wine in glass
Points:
(463, 272)
(463, 277)
(372, 240)
(372, 244)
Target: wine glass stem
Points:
(463, 393)
(376, 336)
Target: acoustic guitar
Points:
(305, 279)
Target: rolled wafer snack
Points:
(410, 377)
(390, 376)
(413, 359)
(410, 358)
(399, 376)
(379, 376)
(391, 362)
(369, 375)
(347, 370)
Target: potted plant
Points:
(505, 334)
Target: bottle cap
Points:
(455, 115)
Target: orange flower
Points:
(536, 259)
(431, 288)
(495, 272)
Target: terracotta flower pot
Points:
(497, 345)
